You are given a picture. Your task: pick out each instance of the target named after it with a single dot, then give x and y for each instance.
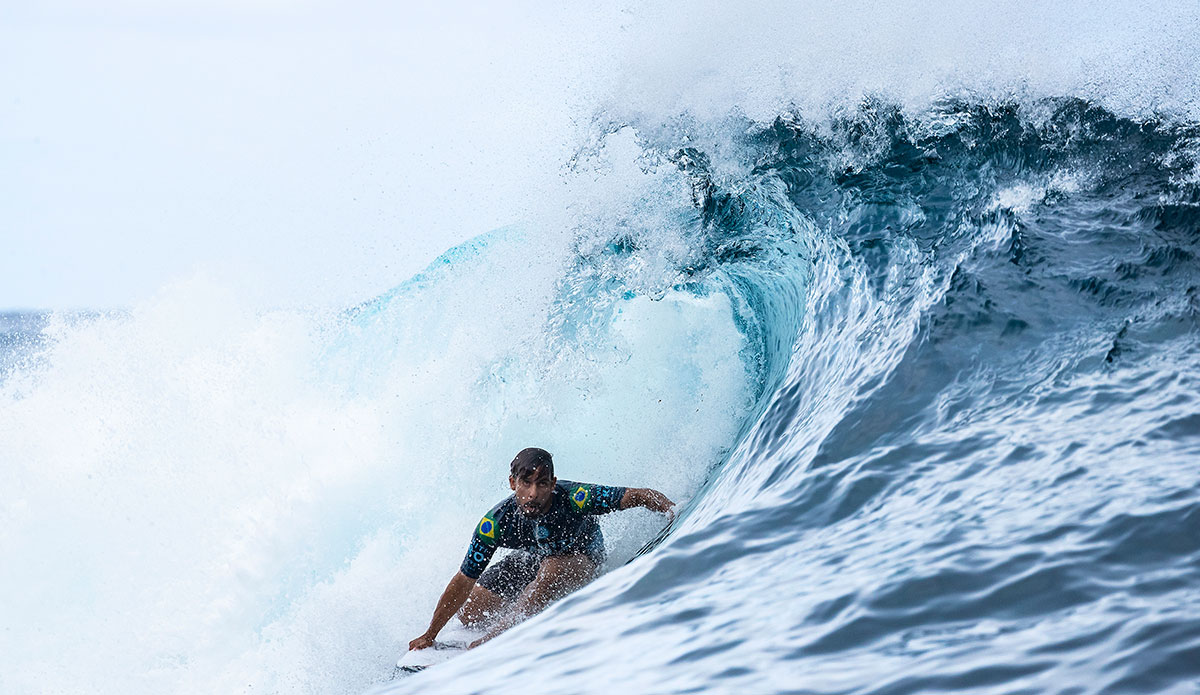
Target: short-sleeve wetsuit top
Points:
(568, 527)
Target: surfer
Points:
(558, 547)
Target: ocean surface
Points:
(970, 456)
(924, 381)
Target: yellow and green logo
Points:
(580, 496)
(487, 527)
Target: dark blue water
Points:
(927, 385)
(973, 464)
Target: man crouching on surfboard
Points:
(551, 524)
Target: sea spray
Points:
(203, 497)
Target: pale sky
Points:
(320, 152)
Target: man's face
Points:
(533, 492)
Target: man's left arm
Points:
(648, 498)
(602, 499)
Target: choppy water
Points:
(972, 460)
(928, 382)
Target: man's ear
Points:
(554, 481)
(512, 482)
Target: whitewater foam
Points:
(205, 498)
(840, 322)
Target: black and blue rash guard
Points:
(566, 528)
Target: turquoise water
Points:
(970, 465)
(925, 382)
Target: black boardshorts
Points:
(509, 576)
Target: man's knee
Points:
(566, 572)
(481, 605)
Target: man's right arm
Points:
(479, 553)
(452, 599)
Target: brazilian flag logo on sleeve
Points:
(487, 527)
(580, 496)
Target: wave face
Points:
(970, 464)
(927, 381)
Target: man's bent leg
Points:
(499, 586)
(558, 576)
(481, 605)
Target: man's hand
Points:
(452, 599)
(650, 499)
(423, 642)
